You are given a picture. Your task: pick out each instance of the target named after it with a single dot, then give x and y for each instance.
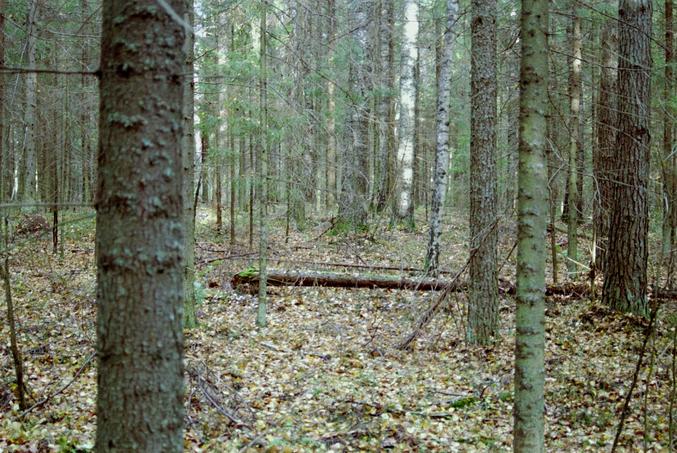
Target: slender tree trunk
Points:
(30, 156)
(407, 127)
(442, 140)
(331, 113)
(606, 141)
(11, 322)
(528, 429)
(574, 124)
(483, 321)
(669, 161)
(262, 164)
(85, 158)
(140, 239)
(353, 199)
(252, 175)
(625, 284)
(550, 151)
(419, 144)
(4, 175)
(232, 160)
(188, 172)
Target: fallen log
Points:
(250, 278)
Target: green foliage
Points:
(465, 402)
(344, 227)
(251, 271)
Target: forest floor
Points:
(325, 375)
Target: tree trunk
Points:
(140, 239)
(386, 108)
(574, 125)
(353, 196)
(262, 167)
(30, 152)
(407, 126)
(11, 322)
(188, 172)
(85, 157)
(442, 141)
(625, 284)
(606, 141)
(331, 113)
(669, 161)
(528, 428)
(4, 176)
(483, 321)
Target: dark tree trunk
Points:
(483, 298)
(625, 284)
(606, 141)
(140, 233)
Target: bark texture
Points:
(4, 157)
(405, 154)
(188, 163)
(483, 319)
(353, 200)
(669, 161)
(528, 429)
(606, 141)
(573, 179)
(442, 141)
(29, 166)
(625, 284)
(140, 230)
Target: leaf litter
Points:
(324, 375)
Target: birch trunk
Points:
(405, 153)
(442, 141)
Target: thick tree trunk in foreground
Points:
(528, 430)
(625, 284)
(140, 229)
(442, 141)
(483, 298)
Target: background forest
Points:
(435, 225)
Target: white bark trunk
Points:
(442, 151)
(405, 153)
